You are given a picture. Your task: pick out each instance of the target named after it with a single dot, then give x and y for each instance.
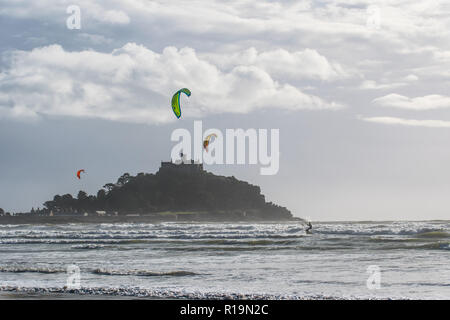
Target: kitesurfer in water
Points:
(309, 227)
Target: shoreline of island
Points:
(168, 216)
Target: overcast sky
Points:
(358, 89)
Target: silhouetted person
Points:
(309, 227)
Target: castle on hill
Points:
(182, 165)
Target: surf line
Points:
(192, 310)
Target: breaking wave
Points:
(100, 271)
(30, 269)
(170, 294)
(178, 273)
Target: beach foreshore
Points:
(7, 293)
(63, 296)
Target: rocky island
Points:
(177, 192)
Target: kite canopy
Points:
(207, 140)
(176, 107)
(79, 173)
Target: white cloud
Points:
(386, 83)
(135, 84)
(113, 16)
(111, 12)
(408, 122)
(411, 78)
(280, 63)
(428, 102)
(293, 42)
(373, 85)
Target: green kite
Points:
(176, 107)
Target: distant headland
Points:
(181, 191)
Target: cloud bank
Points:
(427, 102)
(135, 84)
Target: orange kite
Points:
(79, 172)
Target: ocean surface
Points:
(338, 260)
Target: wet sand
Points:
(98, 293)
(55, 296)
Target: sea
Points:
(273, 260)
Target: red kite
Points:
(79, 172)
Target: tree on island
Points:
(3, 213)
